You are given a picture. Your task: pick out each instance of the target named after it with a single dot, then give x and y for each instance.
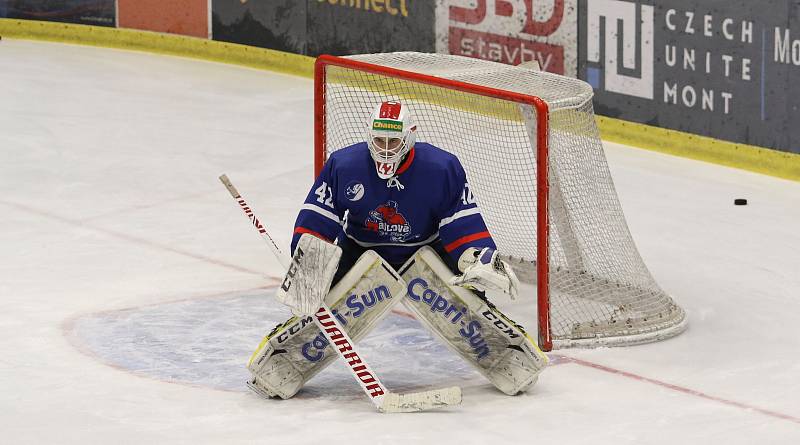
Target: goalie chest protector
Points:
(428, 199)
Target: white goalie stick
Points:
(384, 400)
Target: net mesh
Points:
(601, 293)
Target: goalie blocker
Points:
(499, 349)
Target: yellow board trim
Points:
(702, 148)
(747, 157)
(153, 42)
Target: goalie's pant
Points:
(351, 252)
(497, 347)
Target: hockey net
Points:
(535, 162)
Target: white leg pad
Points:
(296, 350)
(471, 326)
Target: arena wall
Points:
(186, 17)
(710, 80)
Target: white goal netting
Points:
(601, 292)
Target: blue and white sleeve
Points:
(462, 225)
(320, 215)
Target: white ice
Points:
(132, 290)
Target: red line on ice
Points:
(681, 389)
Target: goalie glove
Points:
(483, 270)
(309, 276)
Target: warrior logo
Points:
(386, 220)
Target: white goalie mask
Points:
(392, 134)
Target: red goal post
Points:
(497, 99)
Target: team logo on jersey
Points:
(387, 220)
(354, 191)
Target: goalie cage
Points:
(532, 152)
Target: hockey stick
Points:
(384, 400)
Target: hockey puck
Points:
(740, 202)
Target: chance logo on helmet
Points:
(392, 134)
(387, 125)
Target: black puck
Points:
(740, 202)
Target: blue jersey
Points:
(427, 200)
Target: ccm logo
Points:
(287, 280)
(500, 324)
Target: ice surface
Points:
(205, 341)
(132, 291)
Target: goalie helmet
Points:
(392, 135)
